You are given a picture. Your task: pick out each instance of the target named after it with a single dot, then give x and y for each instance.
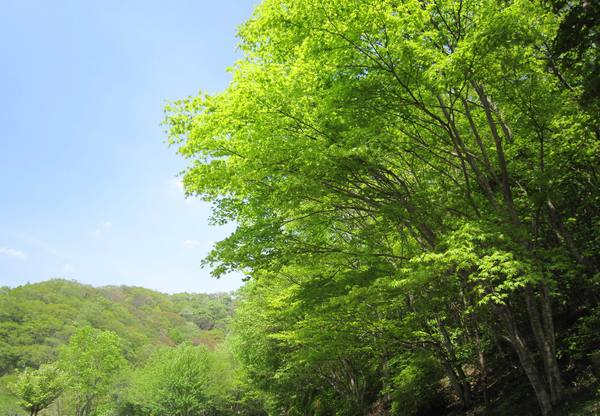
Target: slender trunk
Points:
(386, 374)
(504, 176)
(461, 149)
(545, 400)
(565, 236)
(547, 320)
(482, 364)
(458, 387)
(461, 379)
(548, 324)
(482, 149)
(473, 332)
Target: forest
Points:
(415, 187)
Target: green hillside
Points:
(42, 323)
(36, 318)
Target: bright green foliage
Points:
(186, 380)
(408, 179)
(91, 361)
(319, 364)
(416, 189)
(206, 311)
(37, 389)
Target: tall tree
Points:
(426, 144)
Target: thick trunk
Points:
(466, 387)
(527, 362)
(545, 348)
(460, 389)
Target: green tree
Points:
(37, 389)
(91, 361)
(180, 381)
(423, 150)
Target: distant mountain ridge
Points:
(35, 319)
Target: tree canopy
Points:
(414, 184)
(37, 389)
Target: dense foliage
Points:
(187, 380)
(39, 388)
(417, 197)
(91, 360)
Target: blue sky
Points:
(88, 186)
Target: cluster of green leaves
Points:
(416, 188)
(207, 311)
(83, 375)
(38, 389)
(91, 360)
(92, 377)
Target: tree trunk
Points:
(565, 236)
(548, 324)
(527, 362)
(462, 386)
(544, 346)
(459, 388)
(482, 367)
(502, 164)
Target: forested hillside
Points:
(37, 319)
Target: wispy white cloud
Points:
(68, 268)
(35, 243)
(11, 252)
(191, 243)
(102, 228)
(201, 244)
(176, 183)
